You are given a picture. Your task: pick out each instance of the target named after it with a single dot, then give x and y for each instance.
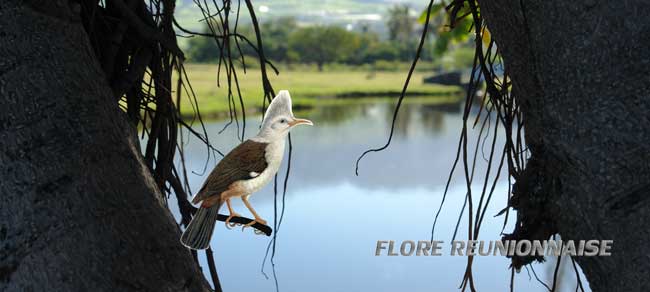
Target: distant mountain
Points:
(348, 13)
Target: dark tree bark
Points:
(581, 72)
(79, 210)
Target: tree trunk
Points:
(79, 209)
(581, 73)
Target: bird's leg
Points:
(232, 214)
(257, 217)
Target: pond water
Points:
(333, 218)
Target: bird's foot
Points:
(231, 225)
(257, 220)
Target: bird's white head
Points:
(279, 119)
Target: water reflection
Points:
(334, 218)
(335, 115)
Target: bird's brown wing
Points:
(237, 165)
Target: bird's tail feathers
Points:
(199, 231)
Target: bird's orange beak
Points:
(300, 122)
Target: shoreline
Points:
(352, 98)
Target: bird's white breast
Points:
(274, 154)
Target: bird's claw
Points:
(257, 220)
(231, 225)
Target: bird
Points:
(243, 171)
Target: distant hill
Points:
(347, 13)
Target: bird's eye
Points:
(283, 121)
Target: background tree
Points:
(321, 45)
(400, 23)
(367, 41)
(276, 38)
(354, 47)
(202, 50)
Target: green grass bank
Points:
(309, 87)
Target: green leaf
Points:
(435, 8)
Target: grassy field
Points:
(309, 87)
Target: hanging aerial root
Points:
(530, 196)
